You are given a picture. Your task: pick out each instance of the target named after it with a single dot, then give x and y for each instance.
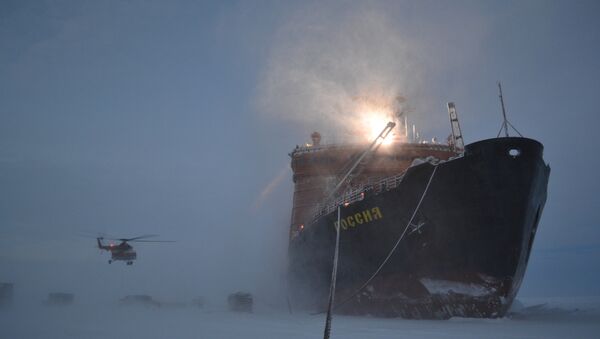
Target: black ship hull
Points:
(464, 254)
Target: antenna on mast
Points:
(505, 122)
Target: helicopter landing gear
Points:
(130, 263)
(109, 261)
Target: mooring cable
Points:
(391, 251)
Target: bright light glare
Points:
(374, 114)
(374, 123)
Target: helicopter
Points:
(124, 251)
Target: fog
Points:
(176, 119)
(336, 68)
(323, 67)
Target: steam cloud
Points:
(326, 69)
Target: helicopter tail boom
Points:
(100, 246)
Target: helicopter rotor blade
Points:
(136, 238)
(98, 235)
(153, 241)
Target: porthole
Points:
(514, 152)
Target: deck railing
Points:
(381, 185)
(316, 148)
(358, 193)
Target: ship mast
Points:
(505, 122)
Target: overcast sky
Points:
(175, 118)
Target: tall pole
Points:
(327, 331)
(384, 133)
(504, 124)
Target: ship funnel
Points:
(316, 138)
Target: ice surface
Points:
(445, 287)
(540, 318)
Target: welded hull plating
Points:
(464, 254)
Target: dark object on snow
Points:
(240, 302)
(139, 299)
(6, 294)
(60, 299)
(198, 302)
